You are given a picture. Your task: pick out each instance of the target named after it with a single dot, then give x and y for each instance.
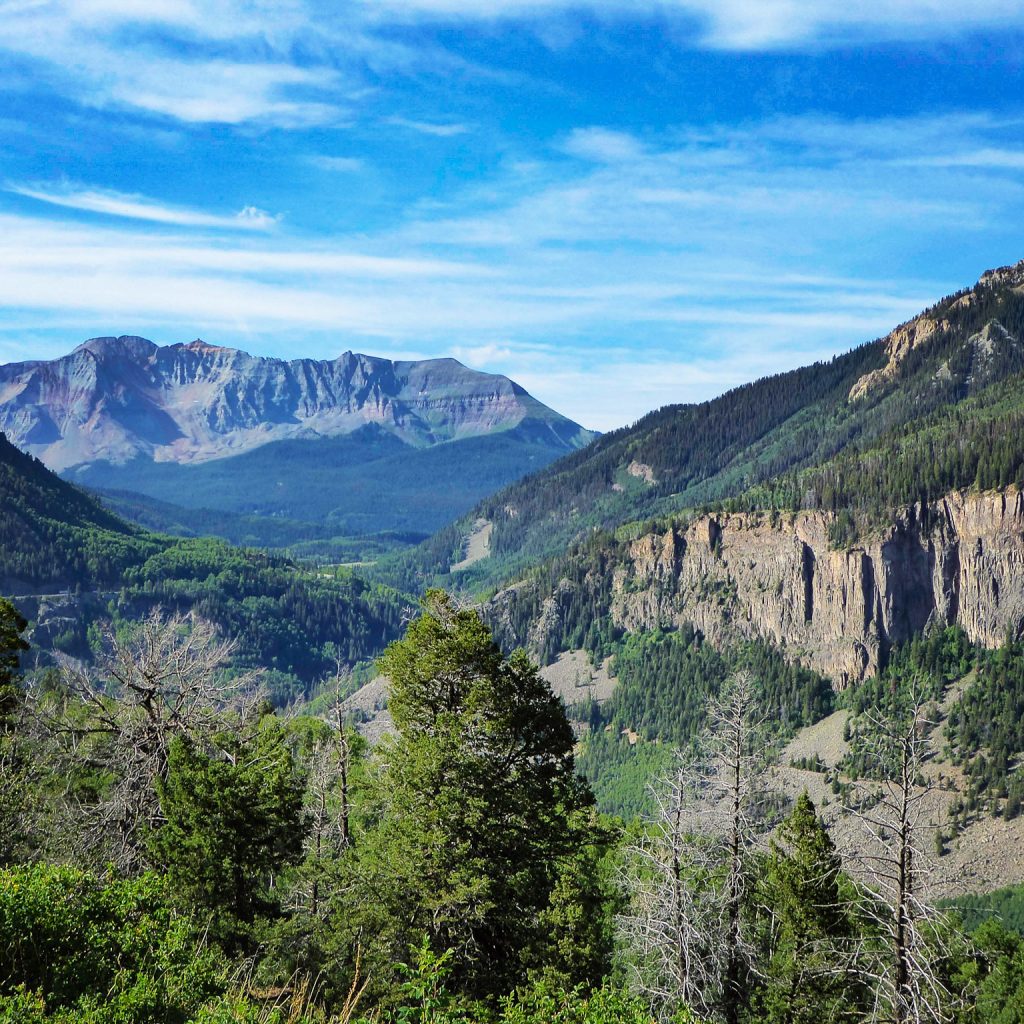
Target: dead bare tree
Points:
(738, 792)
(896, 868)
(327, 803)
(686, 876)
(673, 923)
(162, 681)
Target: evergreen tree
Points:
(807, 930)
(12, 645)
(232, 823)
(14, 760)
(477, 805)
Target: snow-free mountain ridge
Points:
(119, 399)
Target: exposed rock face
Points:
(918, 332)
(960, 560)
(898, 345)
(118, 398)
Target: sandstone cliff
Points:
(960, 560)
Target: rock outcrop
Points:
(960, 560)
(116, 399)
(917, 333)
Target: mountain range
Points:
(356, 445)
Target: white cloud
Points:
(116, 204)
(46, 246)
(79, 50)
(216, 91)
(602, 145)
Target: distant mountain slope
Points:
(914, 517)
(362, 483)
(359, 444)
(691, 455)
(293, 622)
(116, 399)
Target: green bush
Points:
(106, 951)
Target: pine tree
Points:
(807, 931)
(233, 821)
(15, 761)
(477, 804)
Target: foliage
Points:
(15, 760)
(986, 729)
(665, 683)
(985, 723)
(12, 646)
(807, 929)
(110, 949)
(232, 821)
(283, 617)
(475, 802)
(1003, 905)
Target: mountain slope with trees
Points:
(946, 363)
(291, 620)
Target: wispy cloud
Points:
(615, 272)
(191, 75)
(602, 145)
(116, 204)
(222, 92)
(745, 24)
(994, 159)
(298, 64)
(440, 129)
(346, 164)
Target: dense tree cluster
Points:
(975, 444)
(664, 683)
(324, 494)
(458, 873)
(983, 728)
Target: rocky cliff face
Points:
(119, 398)
(960, 560)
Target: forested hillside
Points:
(325, 495)
(286, 618)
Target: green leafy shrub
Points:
(113, 951)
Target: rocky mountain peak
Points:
(198, 345)
(127, 346)
(1011, 276)
(115, 399)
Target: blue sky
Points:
(619, 203)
